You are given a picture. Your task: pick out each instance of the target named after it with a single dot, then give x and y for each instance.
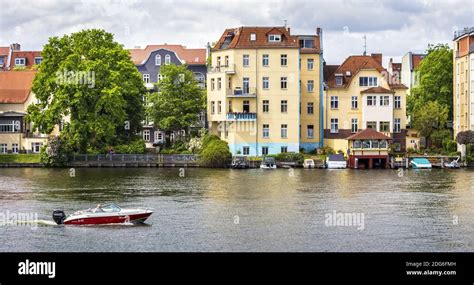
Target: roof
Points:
(28, 55)
(416, 59)
(378, 90)
(329, 70)
(4, 50)
(396, 66)
(239, 38)
(190, 56)
(336, 157)
(354, 64)
(15, 86)
(368, 134)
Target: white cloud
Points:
(392, 27)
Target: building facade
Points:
(410, 62)
(264, 90)
(360, 94)
(463, 81)
(149, 61)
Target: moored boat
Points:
(420, 163)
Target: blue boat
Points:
(420, 162)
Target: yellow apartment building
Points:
(264, 90)
(463, 81)
(361, 94)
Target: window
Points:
(7, 126)
(246, 150)
(354, 125)
(264, 150)
(366, 144)
(266, 131)
(265, 60)
(246, 85)
(226, 60)
(36, 147)
(3, 148)
(38, 60)
(246, 60)
(396, 125)
(310, 85)
(218, 61)
(334, 102)
(246, 106)
(306, 43)
(356, 144)
(310, 131)
(219, 83)
(266, 106)
(146, 135)
(284, 106)
(284, 149)
(167, 59)
(384, 126)
(274, 38)
(20, 61)
(310, 108)
(230, 106)
(397, 102)
(371, 100)
(213, 84)
(266, 83)
(146, 78)
(157, 59)
(219, 107)
(213, 107)
(284, 60)
(15, 148)
(383, 144)
(384, 100)
(310, 64)
(253, 36)
(159, 77)
(338, 80)
(354, 102)
(367, 81)
(284, 82)
(372, 125)
(334, 125)
(284, 131)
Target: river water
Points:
(244, 210)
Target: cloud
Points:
(392, 27)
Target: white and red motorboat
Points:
(103, 214)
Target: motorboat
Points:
(308, 163)
(452, 164)
(268, 163)
(103, 214)
(420, 163)
(240, 161)
(336, 161)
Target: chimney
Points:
(318, 31)
(288, 29)
(377, 57)
(15, 46)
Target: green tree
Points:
(430, 120)
(435, 75)
(90, 79)
(178, 101)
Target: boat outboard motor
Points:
(59, 217)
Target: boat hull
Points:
(112, 219)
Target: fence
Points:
(144, 158)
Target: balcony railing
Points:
(241, 116)
(239, 93)
(229, 69)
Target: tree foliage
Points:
(430, 121)
(89, 79)
(466, 137)
(215, 152)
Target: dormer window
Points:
(38, 60)
(274, 38)
(253, 36)
(20, 61)
(157, 59)
(338, 79)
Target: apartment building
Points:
(264, 90)
(410, 62)
(361, 94)
(463, 80)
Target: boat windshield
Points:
(111, 208)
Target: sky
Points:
(392, 28)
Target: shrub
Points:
(134, 147)
(449, 145)
(207, 139)
(290, 157)
(54, 154)
(328, 150)
(216, 153)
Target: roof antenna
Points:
(286, 23)
(365, 44)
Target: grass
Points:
(19, 158)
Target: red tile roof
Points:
(15, 86)
(377, 89)
(28, 55)
(368, 134)
(239, 38)
(4, 50)
(354, 64)
(416, 59)
(397, 67)
(190, 56)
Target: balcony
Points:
(228, 69)
(239, 93)
(241, 116)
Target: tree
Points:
(430, 120)
(435, 75)
(178, 101)
(90, 79)
(465, 137)
(215, 153)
